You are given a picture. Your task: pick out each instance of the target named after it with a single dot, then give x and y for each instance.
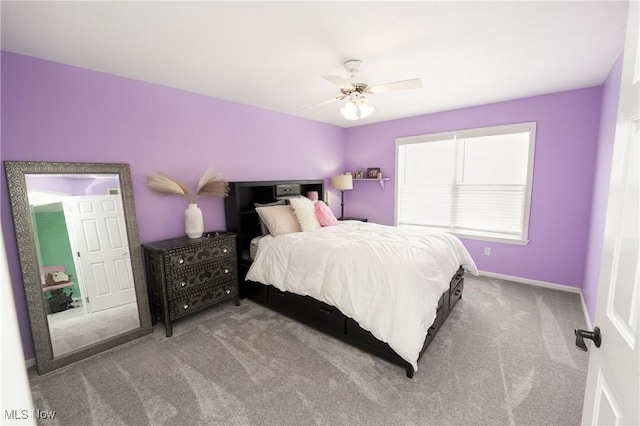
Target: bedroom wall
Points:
(606, 138)
(54, 112)
(566, 149)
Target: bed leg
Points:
(410, 372)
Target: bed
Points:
(384, 289)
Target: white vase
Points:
(193, 221)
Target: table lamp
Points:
(342, 183)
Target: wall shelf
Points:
(381, 180)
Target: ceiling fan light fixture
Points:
(355, 88)
(365, 107)
(358, 107)
(350, 111)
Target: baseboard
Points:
(537, 283)
(585, 313)
(545, 284)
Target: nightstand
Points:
(361, 219)
(186, 275)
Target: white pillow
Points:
(279, 220)
(305, 212)
(263, 227)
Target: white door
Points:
(99, 232)
(612, 395)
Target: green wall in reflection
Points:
(53, 241)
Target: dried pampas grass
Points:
(166, 185)
(211, 183)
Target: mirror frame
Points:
(25, 237)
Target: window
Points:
(474, 183)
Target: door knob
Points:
(591, 335)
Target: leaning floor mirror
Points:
(80, 258)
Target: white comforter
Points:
(388, 279)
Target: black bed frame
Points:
(243, 220)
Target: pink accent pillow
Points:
(325, 215)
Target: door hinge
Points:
(87, 299)
(78, 253)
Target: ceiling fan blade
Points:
(328, 101)
(339, 81)
(414, 83)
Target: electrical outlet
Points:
(487, 251)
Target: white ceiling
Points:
(271, 54)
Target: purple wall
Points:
(566, 146)
(608, 118)
(53, 112)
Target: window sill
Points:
(514, 241)
(462, 235)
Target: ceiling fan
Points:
(356, 90)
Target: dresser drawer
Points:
(310, 311)
(182, 257)
(456, 294)
(363, 337)
(198, 298)
(456, 279)
(183, 279)
(435, 326)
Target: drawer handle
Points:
(225, 270)
(227, 291)
(181, 261)
(224, 250)
(182, 283)
(326, 311)
(185, 306)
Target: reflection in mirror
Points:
(83, 258)
(80, 258)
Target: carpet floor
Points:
(505, 356)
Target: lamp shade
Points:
(342, 182)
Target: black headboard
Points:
(240, 212)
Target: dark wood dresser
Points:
(187, 275)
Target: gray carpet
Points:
(505, 355)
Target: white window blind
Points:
(475, 183)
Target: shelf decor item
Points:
(211, 183)
(372, 173)
(193, 221)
